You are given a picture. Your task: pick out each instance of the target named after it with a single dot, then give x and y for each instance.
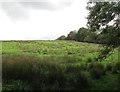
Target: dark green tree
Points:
(71, 35)
(104, 18)
(82, 33)
(61, 37)
(91, 37)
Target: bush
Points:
(89, 60)
(108, 67)
(116, 67)
(96, 70)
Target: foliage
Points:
(104, 18)
(61, 37)
(107, 82)
(116, 67)
(48, 65)
(42, 75)
(16, 85)
(99, 18)
(96, 70)
(71, 35)
(82, 35)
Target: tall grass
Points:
(55, 65)
(43, 75)
(96, 69)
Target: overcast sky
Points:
(43, 20)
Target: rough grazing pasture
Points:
(57, 65)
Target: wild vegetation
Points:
(69, 65)
(103, 25)
(57, 65)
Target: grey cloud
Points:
(38, 5)
(14, 10)
(47, 5)
(20, 9)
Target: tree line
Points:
(103, 26)
(84, 35)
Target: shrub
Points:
(116, 67)
(89, 60)
(108, 67)
(96, 70)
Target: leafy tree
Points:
(61, 37)
(82, 33)
(72, 35)
(86, 35)
(104, 17)
(92, 37)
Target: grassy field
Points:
(57, 65)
